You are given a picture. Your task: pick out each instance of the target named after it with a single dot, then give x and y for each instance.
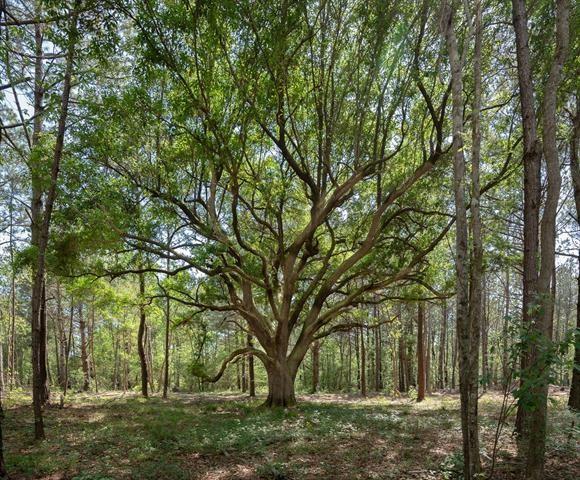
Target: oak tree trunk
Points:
(280, 384)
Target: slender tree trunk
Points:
(141, 337)
(60, 321)
(505, 329)
(531, 160)
(443, 347)
(466, 311)
(41, 216)
(116, 382)
(12, 323)
(537, 366)
(357, 356)
(428, 353)
(403, 380)
(126, 364)
(91, 330)
(43, 347)
(475, 307)
(3, 473)
(485, 369)
(574, 400)
(244, 378)
(363, 364)
(315, 349)
(35, 227)
(2, 384)
(420, 353)
(68, 345)
(251, 372)
(84, 354)
(167, 325)
(453, 357)
(149, 356)
(411, 380)
(378, 356)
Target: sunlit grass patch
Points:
(125, 437)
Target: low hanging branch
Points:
(230, 358)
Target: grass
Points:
(112, 436)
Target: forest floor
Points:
(219, 437)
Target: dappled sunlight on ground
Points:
(215, 436)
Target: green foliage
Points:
(452, 466)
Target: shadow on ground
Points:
(215, 437)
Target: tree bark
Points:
(443, 347)
(61, 338)
(41, 216)
(68, 345)
(91, 331)
(3, 473)
(363, 364)
(166, 362)
(403, 381)
(505, 330)
(2, 384)
(466, 310)
(149, 357)
(420, 353)
(12, 323)
(429, 353)
(315, 349)
(84, 353)
(485, 364)
(574, 400)
(281, 378)
(531, 160)
(251, 372)
(141, 337)
(378, 354)
(537, 366)
(244, 378)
